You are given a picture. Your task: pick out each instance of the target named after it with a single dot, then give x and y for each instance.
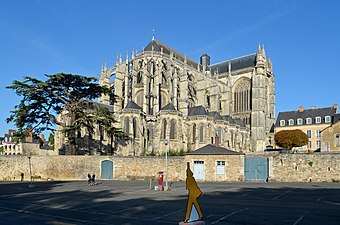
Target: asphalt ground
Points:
(132, 202)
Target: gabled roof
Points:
(169, 107)
(228, 118)
(236, 64)
(336, 118)
(132, 105)
(312, 113)
(213, 150)
(216, 115)
(197, 111)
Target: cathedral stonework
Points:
(164, 95)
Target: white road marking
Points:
(283, 193)
(301, 217)
(229, 215)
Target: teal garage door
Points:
(107, 170)
(256, 169)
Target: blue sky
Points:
(302, 39)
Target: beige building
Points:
(330, 136)
(310, 121)
(164, 95)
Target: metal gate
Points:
(107, 170)
(256, 169)
(199, 170)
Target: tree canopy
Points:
(61, 94)
(291, 138)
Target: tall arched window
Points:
(164, 129)
(139, 78)
(219, 135)
(127, 125)
(134, 124)
(172, 129)
(241, 95)
(201, 133)
(194, 133)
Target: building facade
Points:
(164, 95)
(311, 121)
(330, 136)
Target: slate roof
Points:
(336, 118)
(236, 64)
(109, 107)
(169, 107)
(213, 150)
(312, 113)
(132, 105)
(239, 122)
(216, 115)
(197, 111)
(229, 119)
(157, 46)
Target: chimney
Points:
(335, 106)
(313, 107)
(301, 108)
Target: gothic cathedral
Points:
(167, 101)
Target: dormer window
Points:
(309, 120)
(327, 119)
(282, 123)
(318, 119)
(291, 122)
(299, 121)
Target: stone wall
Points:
(316, 167)
(77, 167)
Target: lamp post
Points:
(166, 164)
(29, 162)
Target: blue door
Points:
(107, 170)
(199, 170)
(256, 169)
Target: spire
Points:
(153, 34)
(104, 66)
(263, 48)
(127, 57)
(259, 48)
(117, 59)
(133, 54)
(120, 57)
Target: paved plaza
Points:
(118, 202)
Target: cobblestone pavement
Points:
(132, 202)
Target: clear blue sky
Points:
(302, 38)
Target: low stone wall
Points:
(77, 167)
(316, 167)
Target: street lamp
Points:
(29, 162)
(166, 164)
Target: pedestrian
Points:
(94, 179)
(89, 179)
(22, 176)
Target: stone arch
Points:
(173, 129)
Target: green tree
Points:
(66, 94)
(291, 138)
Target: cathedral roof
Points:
(157, 46)
(216, 115)
(169, 107)
(236, 64)
(132, 105)
(213, 150)
(228, 118)
(197, 111)
(239, 122)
